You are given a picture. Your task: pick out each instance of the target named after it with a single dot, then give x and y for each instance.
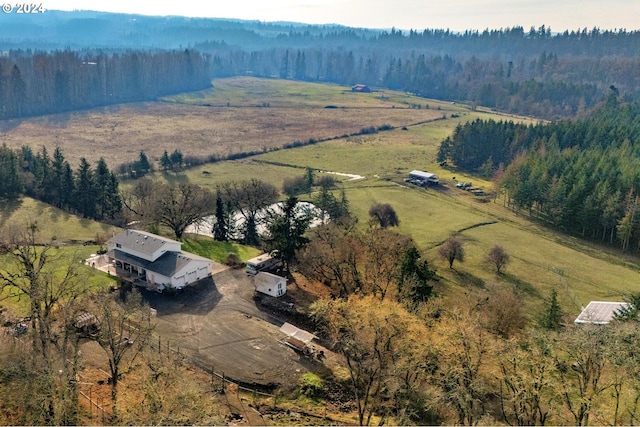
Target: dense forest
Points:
(33, 83)
(100, 58)
(91, 193)
(580, 176)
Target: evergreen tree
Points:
(165, 161)
(551, 318)
(176, 160)
(142, 166)
(68, 186)
(43, 180)
(103, 189)
(415, 278)
(221, 226)
(284, 66)
(107, 199)
(309, 177)
(336, 209)
(632, 311)
(286, 231)
(84, 196)
(60, 194)
(10, 182)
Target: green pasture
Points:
(53, 223)
(251, 92)
(541, 259)
(217, 251)
(214, 174)
(58, 259)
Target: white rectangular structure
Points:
(270, 284)
(600, 312)
(426, 177)
(264, 262)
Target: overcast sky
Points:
(456, 15)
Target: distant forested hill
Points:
(535, 72)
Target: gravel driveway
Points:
(218, 325)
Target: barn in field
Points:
(360, 88)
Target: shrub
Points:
(325, 181)
(233, 260)
(312, 385)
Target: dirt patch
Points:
(220, 328)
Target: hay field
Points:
(230, 118)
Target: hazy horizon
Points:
(456, 15)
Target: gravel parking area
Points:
(218, 325)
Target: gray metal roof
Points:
(600, 312)
(167, 265)
(142, 241)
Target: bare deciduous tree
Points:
(174, 206)
(52, 284)
(460, 379)
(452, 250)
(179, 206)
(526, 385)
(248, 198)
(125, 329)
(374, 343)
(498, 257)
(384, 215)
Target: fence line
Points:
(221, 376)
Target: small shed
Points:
(270, 284)
(600, 312)
(298, 339)
(360, 88)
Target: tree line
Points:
(86, 191)
(34, 83)
(531, 72)
(579, 176)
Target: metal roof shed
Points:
(600, 312)
(297, 333)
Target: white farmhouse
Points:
(155, 262)
(270, 284)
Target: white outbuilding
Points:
(600, 312)
(270, 284)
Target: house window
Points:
(279, 285)
(118, 245)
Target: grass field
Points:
(53, 223)
(228, 119)
(217, 251)
(90, 278)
